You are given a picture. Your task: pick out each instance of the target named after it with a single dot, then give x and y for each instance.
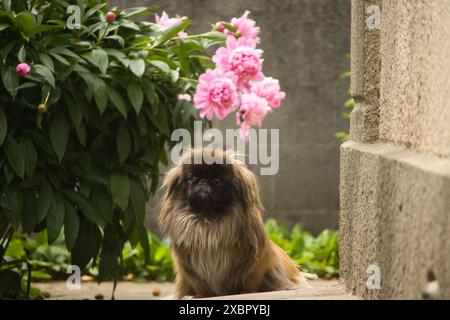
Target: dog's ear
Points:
(172, 180)
(170, 183)
(246, 185)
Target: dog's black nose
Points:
(203, 181)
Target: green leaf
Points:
(26, 21)
(150, 94)
(137, 66)
(120, 189)
(123, 143)
(29, 217)
(87, 244)
(86, 207)
(138, 201)
(40, 275)
(89, 80)
(81, 134)
(15, 156)
(3, 126)
(98, 58)
(129, 12)
(75, 109)
(47, 61)
(102, 198)
(119, 55)
(60, 58)
(59, 135)
(161, 122)
(4, 26)
(118, 101)
(10, 81)
(45, 200)
(65, 52)
(184, 58)
(22, 55)
(144, 241)
(10, 281)
(136, 95)
(30, 155)
(45, 27)
(118, 39)
(71, 226)
(101, 94)
(169, 33)
(12, 205)
(111, 251)
(129, 25)
(164, 67)
(93, 10)
(55, 217)
(45, 73)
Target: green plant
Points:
(159, 266)
(50, 262)
(319, 255)
(82, 135)
(33, 259)
(349, 105)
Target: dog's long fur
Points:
(228, 253)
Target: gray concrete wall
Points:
(395, 171)
(305, 43)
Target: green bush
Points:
(83, 134)
(314, 254)
(319, 255)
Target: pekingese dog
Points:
(213, 215)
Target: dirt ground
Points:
(125, 290)
(320, 289)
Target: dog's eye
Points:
(217, 182)
(190, 178)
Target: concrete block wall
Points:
(305, 44)
(395, 171)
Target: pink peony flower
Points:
(23, 69)
(245, 27)
(165, 22)
(269, 89)
(244, 131)
(241, 57)
(253, 109)
(110, 16)
(216, 94)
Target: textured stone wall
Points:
(395, 171)
(415, 77)
(305, 43)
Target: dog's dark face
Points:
(210, 188)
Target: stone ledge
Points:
(395, 208)
(320, 290)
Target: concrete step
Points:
(319, 290)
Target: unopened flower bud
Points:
(220, 26)
(42, 108)
(110, 16)
(23, 69)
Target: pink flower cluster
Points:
(164, 22)
(237, 84)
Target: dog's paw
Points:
(310, 276)
(188, 298)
